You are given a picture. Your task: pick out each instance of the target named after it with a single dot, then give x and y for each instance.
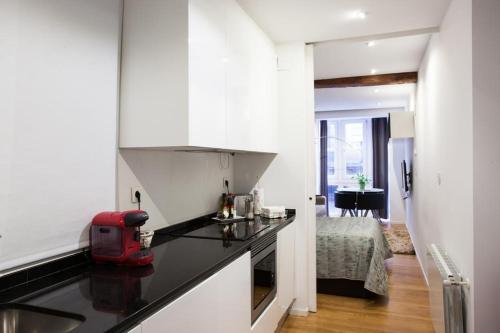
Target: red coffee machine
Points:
(115, 237)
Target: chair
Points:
(346, 201)
(320, 206)
(371, 201)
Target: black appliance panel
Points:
(234, 231)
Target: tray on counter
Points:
(222, 220)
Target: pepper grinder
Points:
(258, 200)
(249, 208)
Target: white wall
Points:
(397, 206)
(175, 186)
(486, 137)
(287, 178)
(442, 213)
(58, 84)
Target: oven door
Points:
(263, 280)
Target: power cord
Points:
(137, 195)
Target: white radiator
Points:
(446, 292)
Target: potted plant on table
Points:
(362, 181)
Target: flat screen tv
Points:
(405, 177)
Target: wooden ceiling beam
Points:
(368, 80)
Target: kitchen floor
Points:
(406, 309)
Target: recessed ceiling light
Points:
(376, 91)
(358, 15)
(373, 71)
(370, 43)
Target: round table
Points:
(357, 189)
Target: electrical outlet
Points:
(133, 189)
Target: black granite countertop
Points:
(116, 299)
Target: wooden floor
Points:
(406, 310)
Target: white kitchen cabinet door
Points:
(240, 42)
(220, 304)
(136, 329)
(154, 74)
(251, 84)
(286, 267)
(207, 73)
(268, 320)
(264, 93)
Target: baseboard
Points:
(301, 312)
(422, 268)
(418, 259)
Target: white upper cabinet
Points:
(154, 74)
(238, 73)
(207, 76)
(264, 96)
(196, 74)
(251, 83)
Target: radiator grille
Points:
(446, 293)
(262, 243)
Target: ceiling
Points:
(321, 20)
(356, 98)
(400, 31)
(356, 58)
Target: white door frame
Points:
(311, 178)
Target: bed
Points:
(350, 255)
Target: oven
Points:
(264, 277)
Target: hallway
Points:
(406, 310)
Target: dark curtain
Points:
(323, 142)
(380, 139)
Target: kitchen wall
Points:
(288, 178)
(486, 157)
(59, 166)
(58, 107)
(175, 186)
(441, 209)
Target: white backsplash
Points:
(176, 186)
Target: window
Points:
(349, 152)
(330, 160)
(353, 150)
